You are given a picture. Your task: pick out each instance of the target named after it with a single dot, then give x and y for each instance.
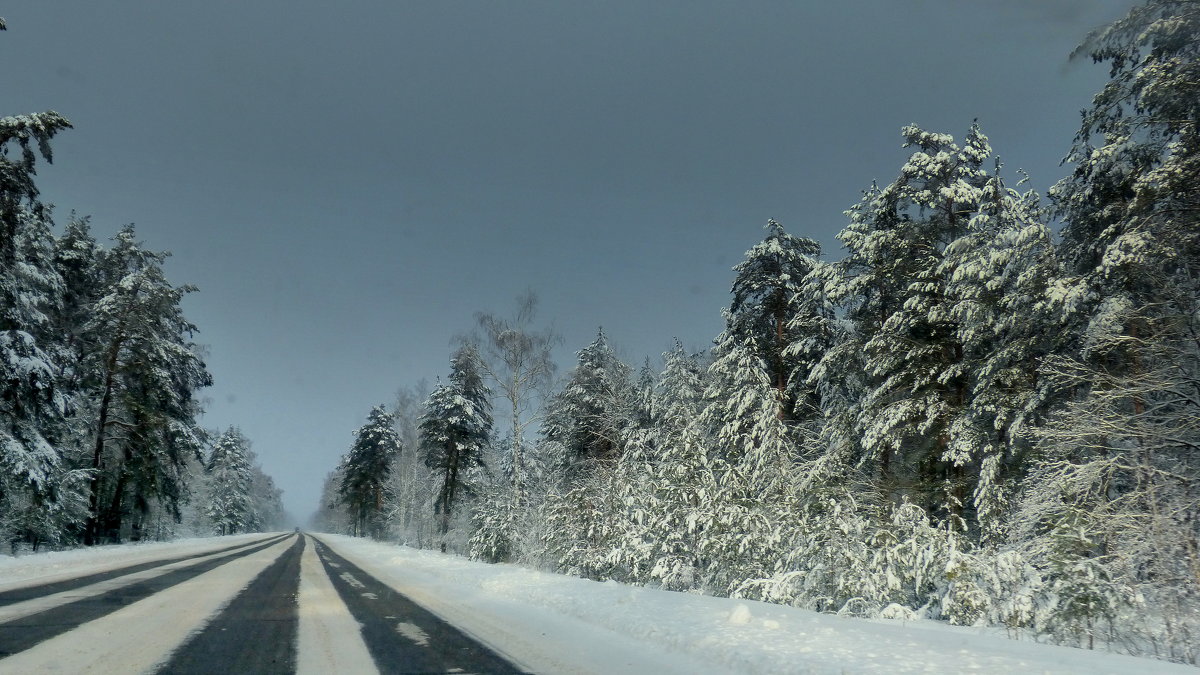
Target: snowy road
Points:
(275, 604)
(288, 603)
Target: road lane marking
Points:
(444, 646)
(349, 578)
(413, 632)
(330, 640)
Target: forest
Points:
(99, 382)
(985, 411)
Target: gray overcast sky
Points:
(347, 183)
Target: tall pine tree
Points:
(895, 292)
(455, 430)
(767, 300)
(32, 406)
(143, 374)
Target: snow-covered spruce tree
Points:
(645, 413)
(589, 417)
(455, 429)
(745, 517)
(142, 374)
(32, 406)
(628, 519)
(501, 518)
(664, 477)
(896, 295)
(365, 472)
(230, 507)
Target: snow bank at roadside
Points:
(554, 623)
(39, 568)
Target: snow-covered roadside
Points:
(554, 623)
(42, 568)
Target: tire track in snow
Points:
(42, 589)
(24, 632)
(256, 632)
(331, 640)
(41, 603)
(138, 637)
(401, 636)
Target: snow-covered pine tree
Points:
(896, 295)
(736, 400)
(1112, 505)
(455, 429)
(998, 278)
(766, 302)
(365, 472)
(142, 374)
(230, 507)
(32, 405)
(78, 261)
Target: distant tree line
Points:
(98, 379)
(987, 411)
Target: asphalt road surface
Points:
(279, 604)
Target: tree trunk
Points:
(780, 362)
(448, 490)
(92, 532)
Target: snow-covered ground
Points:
(44, 568)
(558, 624)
